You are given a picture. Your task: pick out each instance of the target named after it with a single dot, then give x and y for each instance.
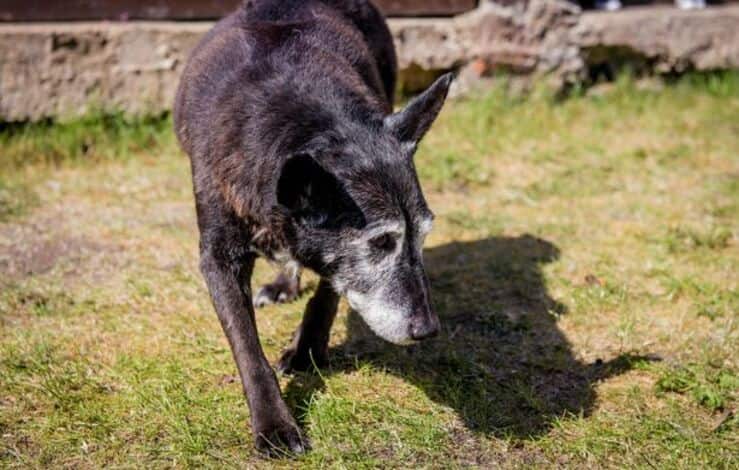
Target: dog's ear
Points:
(411, 123)
(313, 196)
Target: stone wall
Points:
(663, 39)
(65, 69)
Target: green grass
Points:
(584, 264)
(89, 139)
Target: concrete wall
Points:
(65, 69)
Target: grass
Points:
(584, 264)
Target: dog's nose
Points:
(427, 326)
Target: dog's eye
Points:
(385, 242)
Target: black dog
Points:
(285, 109)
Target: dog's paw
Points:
(293, 360)
(282, 441)
(275, 292)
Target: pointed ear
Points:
(411, 123)
(312, 195)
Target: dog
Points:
(285, 109)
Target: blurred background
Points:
(126, 55)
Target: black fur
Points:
(285, 111)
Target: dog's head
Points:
(359, 217)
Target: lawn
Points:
(584, 263)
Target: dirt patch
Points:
(30, 250)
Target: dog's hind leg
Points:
(310, 341)
(285, 288)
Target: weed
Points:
(709, 387)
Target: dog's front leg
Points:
(310, 342)
(274, 427)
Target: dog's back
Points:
(266, 44)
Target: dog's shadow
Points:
(500, 361)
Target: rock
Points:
(527, 38)
(428, 43)
(661, 39)
(67, 69)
